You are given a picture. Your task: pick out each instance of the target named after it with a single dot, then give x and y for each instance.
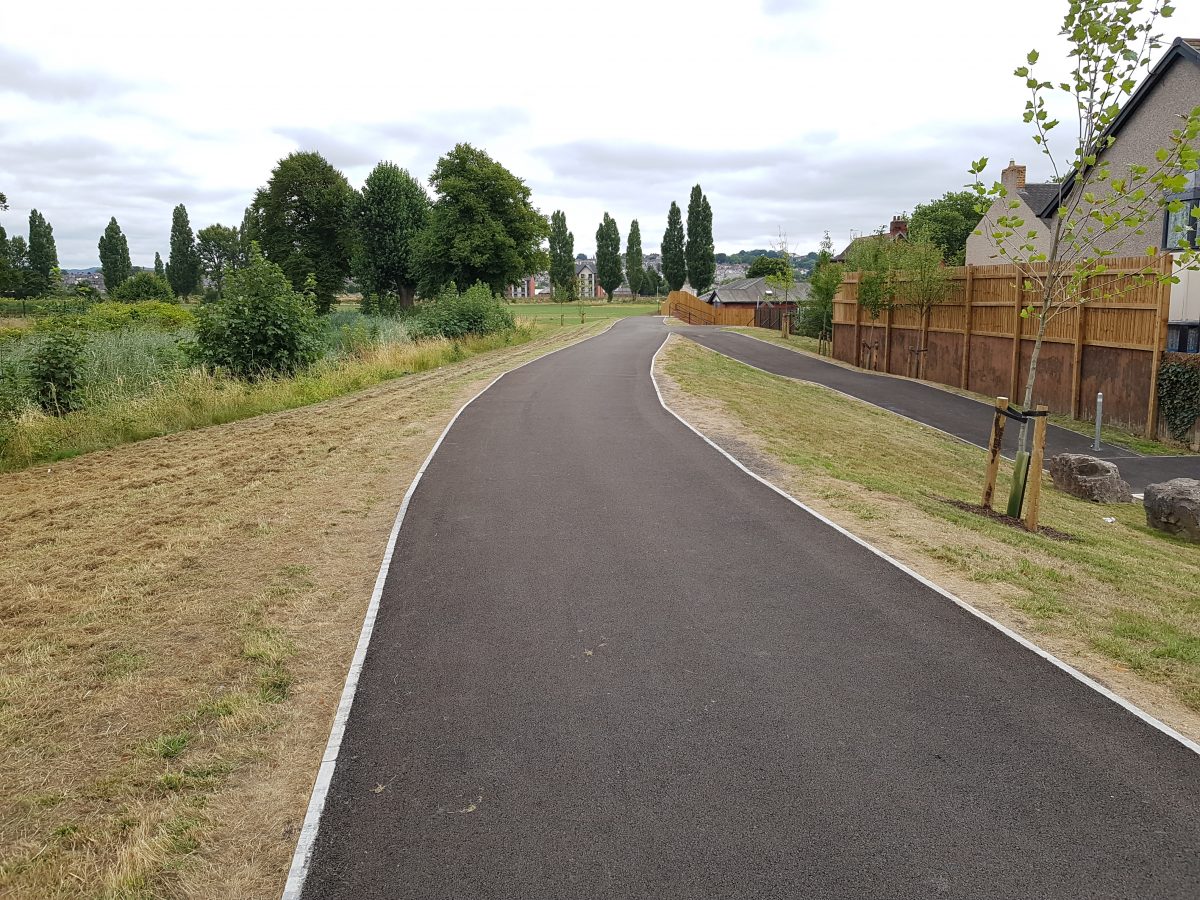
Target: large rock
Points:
(1174, 507)
(1090, 478)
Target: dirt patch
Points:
(1045, 530)
(176, 621)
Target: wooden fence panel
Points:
(978, 340)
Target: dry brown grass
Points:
(1120, 603)
(176, 619)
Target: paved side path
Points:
(961, 416)
(608, 664)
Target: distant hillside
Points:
(745, 257)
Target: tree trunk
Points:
(1031, 375)
(407, 295)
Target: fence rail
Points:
(979, 341)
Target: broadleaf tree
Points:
(608, 256)
(634, 258)
(482, 226)
(562, 257)
(302, 221)
(115, 264)
(183, 265)
(220, 250)
(1102, 209)
(816, 316)
(390, 213)
(674, 261)
(947, 222)
(701, 258)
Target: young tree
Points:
(562, 261)
(482, 227)
(634, 258)
(947, 222)
(816, 318)
(876, 260)
(925, 283)
(701, 260)
(114, 256)
(183, 265)
(389, 213)
(220, 249)
(302, 219)
(159, 269)
(43, 255)
(608, 256)
(674, 260)
(783, 280)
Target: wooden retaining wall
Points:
(978, 340)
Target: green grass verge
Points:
(1115, 435)
(1120, 590)
(568, 313)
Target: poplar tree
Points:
(633, 258)
(183, 266)
(159, 270)
(43, 255)
(562, 256)
(701, 260)
(115, 264)
(608, 256)
(674, 263)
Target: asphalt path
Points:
(960, 416)
(609, 664)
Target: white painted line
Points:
(298, 871)
(1003, 629)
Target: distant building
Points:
(585, 277)
(897, 232)
(526, 288)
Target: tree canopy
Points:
(43, 254)
(674, 262)
(947, 222)
(562, 262)
(115, 264)
(608, 256)
(482, 226)
(701, 259)
(389, 214)
(302, 221)
(766, 265)
(220, 249)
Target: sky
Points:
(796, 116)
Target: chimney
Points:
(1013, 178)
(899, 225)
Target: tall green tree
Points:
(947, 222)
(159, 269)
(767, 265)
(652, 282)
(183, 265)
(816, 316)
(482, 226)
(115, 264)
(634, 258)
(220, 250)
(43, 254)
(7, 271)
(674, 260)
(562, 257)
(390, 213)
(302, 219)
(700, 254)
(608, 256)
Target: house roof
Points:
(887, 235)
(751, 290)
(586, 264)
(1042, 197)
(1181, 50)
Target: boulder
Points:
(1092, 479)
(1174, 507)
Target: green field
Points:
(568, 313)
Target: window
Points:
(1179, 227)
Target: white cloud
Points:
(804, 115)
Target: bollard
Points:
(1099, 418)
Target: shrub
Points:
(261, 326)
(455, 315)
(54, 370)
(114, 316)
(143, 286)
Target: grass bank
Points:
(186, 398)
(568, 313)
(1120, 602)
(178, 619)
(1115, 435)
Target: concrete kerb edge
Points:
(298, 870)
(979, 614)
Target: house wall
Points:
(1185, 297)
(981, 248)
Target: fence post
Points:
(1034, 483)
(1161, 317)
(968, 295)
(857, 333)
(887, 341)
(993, 464)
